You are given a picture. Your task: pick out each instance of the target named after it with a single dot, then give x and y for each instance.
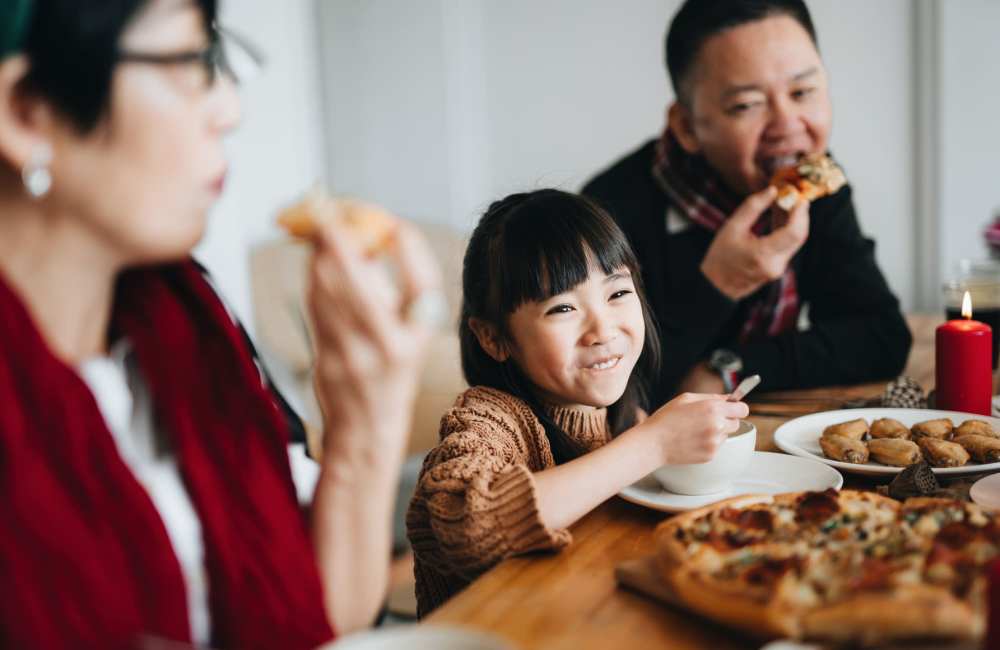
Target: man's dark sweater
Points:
(857, 332)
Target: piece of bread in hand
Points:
(811, 177)
(371, 227)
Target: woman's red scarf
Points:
(84, 557)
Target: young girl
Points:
(553, 323)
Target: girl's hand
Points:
(370, 340)
(690, 428)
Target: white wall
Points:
(867, 48)
(277, 151)
(438, 107)
(970, 134)
(571, 86)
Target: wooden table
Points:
(569, 600)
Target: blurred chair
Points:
(278, 282)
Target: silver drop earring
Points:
(36, 176)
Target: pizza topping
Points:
(956, 535)
(942, 508)
(943, 555)
(975, 544)
(752, 519)
(738, 539)
(724, 541)
(975, 516)
(886, 548)
(928, 521)
(817, 507)
(950, 568)
(769, 570)
(701, 528)
(983, 550)
(875, 574)
(838, 528)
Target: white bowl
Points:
(731, 460)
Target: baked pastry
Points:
(854, 429)
(847, 567)
(983, 448)
(889, 428)
(941, 453)
(844, 449)
(977, 428)
(812, 176)
(894, 451)
(369, 225)
(940, 428)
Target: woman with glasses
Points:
(144, 483)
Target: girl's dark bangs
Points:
(547, 246)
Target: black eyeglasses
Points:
(227, 53)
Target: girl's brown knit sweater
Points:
(475, 502)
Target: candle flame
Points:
(967, 306)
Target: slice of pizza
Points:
(371, 227)
(811, 177)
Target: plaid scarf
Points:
(696, 190)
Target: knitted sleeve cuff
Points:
(516, 511)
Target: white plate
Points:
(420, 637)
(801, 437)
(986, 492)
(768, 473)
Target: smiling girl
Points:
(554, 324)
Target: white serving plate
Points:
(986, 492)
(800, 437)
(420, 637)
(768, 473)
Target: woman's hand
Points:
(691, 427)
(369, 345)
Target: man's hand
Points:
(701, 379)
(738, 262)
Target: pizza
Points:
(369, 225)
(810, 177)
(842, 567)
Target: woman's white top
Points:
(125, 402)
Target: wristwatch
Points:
(729, 365)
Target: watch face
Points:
(725, 360)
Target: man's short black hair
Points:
(698, 20)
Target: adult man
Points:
(726, 271)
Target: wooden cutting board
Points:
(641, 576)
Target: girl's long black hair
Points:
(529, 247)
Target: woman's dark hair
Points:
(529, 247)
(72, 48)
(698, 20)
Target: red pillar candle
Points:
(964, 368)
